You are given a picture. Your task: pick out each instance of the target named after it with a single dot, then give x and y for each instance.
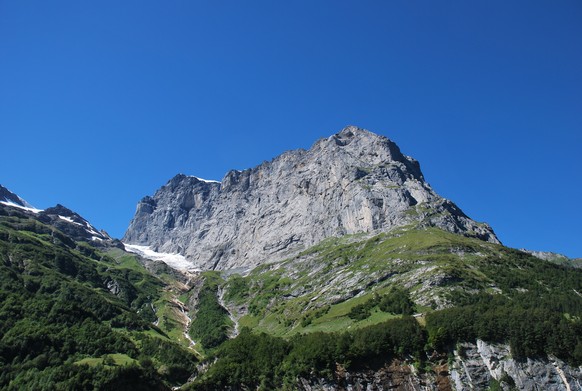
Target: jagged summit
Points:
(9, 198)
(72, 224)
(351, 182)
(361, 139)
(57, 216)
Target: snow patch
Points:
(204, 180)
(27, 208)
(69, 219)
(96, 236)
(88, 227)
(176, 261)
(92, 230)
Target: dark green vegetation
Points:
(396, 301)
(268, 362)
(73, 318)
(260, 360)
(533, 328)
(356, 281)
(211, 323)
(465, 288)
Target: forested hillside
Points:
(405, 307)
(346, 304)
(72, 317)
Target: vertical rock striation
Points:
(352, 182)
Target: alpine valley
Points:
(333, 268)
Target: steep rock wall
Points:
(354, 181)
(475, 366)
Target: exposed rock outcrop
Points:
(8, 197)
(477, 365)
(474, 366)
(72, 224)
(354, 181)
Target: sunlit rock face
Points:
(352, 182)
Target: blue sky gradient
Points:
(102, 102)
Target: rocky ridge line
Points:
(352, 182)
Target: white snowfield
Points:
(70, 220)
(175, 261)
(204, 180)
(88, 227)
(97, 236)
(92, 230)
(28, 208)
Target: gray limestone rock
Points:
(352, 182)
(477, 364)
(473, 366)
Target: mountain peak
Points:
(370, 148)
(65, 213)
(11, 199)
(57, 216)
(354, 181)
(352, 131)
(349, 134)
(8, 196)
(73, 224)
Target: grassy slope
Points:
(297, 316)
(316, 290)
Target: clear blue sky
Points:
(102, 102)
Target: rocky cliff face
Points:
(473, 366)
(477, 366)
(352, 182)
(9, 198)
(72, 224)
